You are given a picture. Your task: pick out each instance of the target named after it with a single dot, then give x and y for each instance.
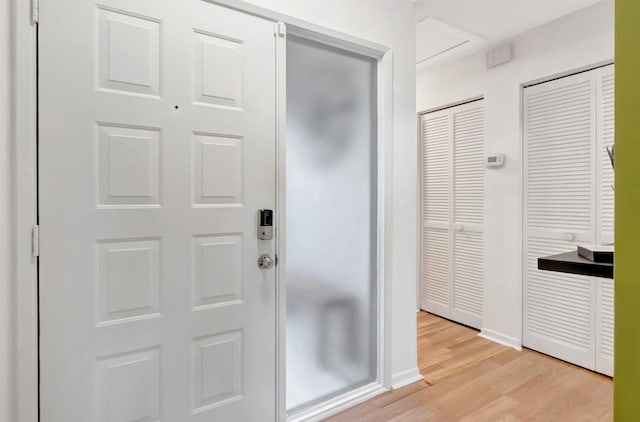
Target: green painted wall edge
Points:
(626, 383)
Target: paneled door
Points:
(156, 149)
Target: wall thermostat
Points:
(495, 160)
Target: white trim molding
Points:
(499, 338)
(281, 293)
(24, 184)
(405, 378)
(338, 404)
(385, 216)
(305, 29)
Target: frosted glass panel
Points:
(331, 222)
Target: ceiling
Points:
(448, 29)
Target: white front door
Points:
(156, 149)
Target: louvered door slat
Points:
(468, 279)
(436, 172)
(468, 165)
(560, 174)
(558, 310)
(435, 271)
(560, 134)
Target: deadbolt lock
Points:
(265, 224)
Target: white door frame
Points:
(24, 103)
(383, 56)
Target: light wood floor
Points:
(468, 378)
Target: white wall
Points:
(391, 23)
(578, 40)
(388, 22)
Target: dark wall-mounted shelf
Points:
(572, 263)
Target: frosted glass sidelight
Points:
(331, 222)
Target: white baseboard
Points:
(405, 378)
(499, 338)
(338, 404)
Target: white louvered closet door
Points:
(560, 134)
(468, 196)
(604, 221)
(452, 213)
(436, 274)
(567, 124)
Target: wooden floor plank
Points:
(472, 379)
(393, 396)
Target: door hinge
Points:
(280, 29)
(35, 241)
(35, 11)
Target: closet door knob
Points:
(570, 237)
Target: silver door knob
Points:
(265, 262)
